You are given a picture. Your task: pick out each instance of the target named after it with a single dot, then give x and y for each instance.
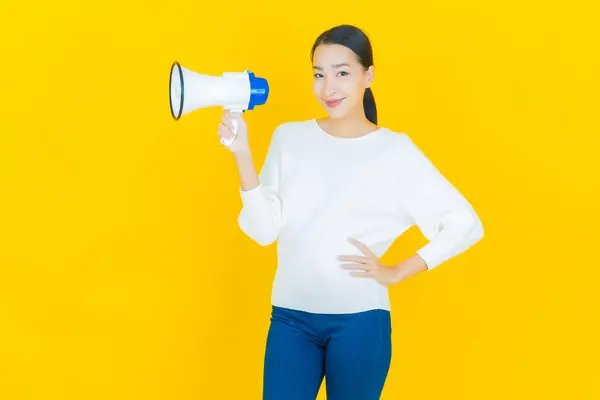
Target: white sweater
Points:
(317, 190)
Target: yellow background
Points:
(124, 275)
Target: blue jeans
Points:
(352, 351)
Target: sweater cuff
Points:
(248, 195)
(428, 257)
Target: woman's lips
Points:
(333, 103)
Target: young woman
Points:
(335, 193)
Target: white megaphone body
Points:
(234, 91)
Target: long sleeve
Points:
(442, 213)
(260, 216)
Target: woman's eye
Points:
(343, 73)
(318, 75)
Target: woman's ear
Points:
(370, 75)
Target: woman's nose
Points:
(328, 89)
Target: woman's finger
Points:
(225, 131)
(226, 120)
(362, 274)
(365, 250)
(360, 259)
(358, 267)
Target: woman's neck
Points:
(347, 127)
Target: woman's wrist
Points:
(244, 152)
(409, 267)
(245, 166)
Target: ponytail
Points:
(369, 105)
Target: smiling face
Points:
(340, 80)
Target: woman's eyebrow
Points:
(334, 66)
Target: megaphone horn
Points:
(234, 91)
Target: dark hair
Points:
(357, 41)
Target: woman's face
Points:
(340, 80)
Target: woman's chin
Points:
(335, 113)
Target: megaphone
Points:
(234, 91)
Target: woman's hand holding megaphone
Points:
(233, 126)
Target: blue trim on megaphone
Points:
(259, 91)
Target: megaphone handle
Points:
(229, 142)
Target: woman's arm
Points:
(246, 171)
(409, 267)
(441, 212)
(260, 217)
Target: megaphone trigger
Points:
(227, 142)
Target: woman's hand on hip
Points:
(369, 266)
